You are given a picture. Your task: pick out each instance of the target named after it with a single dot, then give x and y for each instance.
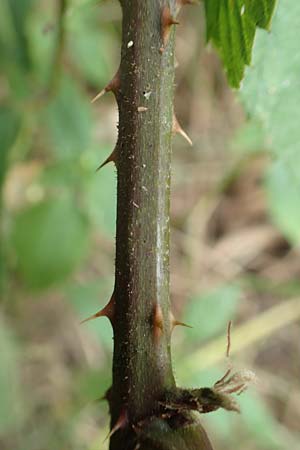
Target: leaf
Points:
(249, 139)
(283, 194)
(69, 121)
(271, 86)
(231, 26)
(271, 94)
(50, 239)
(210, 313)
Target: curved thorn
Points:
(167, 20)
(174, 323)
(121, 423)
(178, 130)
(101, 93)
(113, 86)
(107, 311)
(106, 396)
(112, 158)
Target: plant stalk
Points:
(143, 381)
(142, 361)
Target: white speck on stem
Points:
(135, 205)
(130, 44)
(243, 10)
(147, 95)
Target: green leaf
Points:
(69, 121)
(210, 313)
(50, 239)
(283, 194)
(271, 88)
(231, 26)
(250, 138)
(271, 94)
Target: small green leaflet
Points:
(231, 26)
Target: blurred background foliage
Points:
(235, 225)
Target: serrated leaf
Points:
(271, 94)
(49, 239)
(231, 26)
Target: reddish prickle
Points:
(107, 311)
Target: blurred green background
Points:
(235, 225)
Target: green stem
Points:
(142, 363)
(143, 392)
